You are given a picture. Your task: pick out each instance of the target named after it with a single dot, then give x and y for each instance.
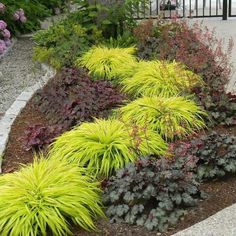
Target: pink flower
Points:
(23, 19)
(2, 7)
(6, 34)
(16, 16)
(8, 42)
(3, 46)
(3, 25)
(21, 12)
(20, 15)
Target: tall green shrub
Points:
(62, 43)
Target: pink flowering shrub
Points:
(3, 46)
(2, 7)
(5, 36)
(19, 15)
(12, 17)
(25, 16)
(3, 25)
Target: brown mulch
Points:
(15, 153)
(220, 193)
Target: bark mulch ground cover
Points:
(221, 193)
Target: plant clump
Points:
(170, 117)
(213, 154)
(73, 97)
(37, 136)
(160, 78)
(102, 62)
(106, 145)
(151, 193)
(44, 196)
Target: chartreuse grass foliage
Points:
(40, 198)
(102, 61)
(106, 145)
(170, 117)
(127, 71)
(159, 78)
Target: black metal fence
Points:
(179, 8)
(232, 8)
(189, 8)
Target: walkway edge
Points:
(10, 115)
(220, 224)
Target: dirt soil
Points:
(220, 193)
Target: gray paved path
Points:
(222, 223)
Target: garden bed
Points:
(139, 126)
(221, 193)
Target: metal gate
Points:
(232, 8)
(189, 8)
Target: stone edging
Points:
(14, 40)
(10, 115)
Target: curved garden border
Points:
(10, 115)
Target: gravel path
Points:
(17, 72)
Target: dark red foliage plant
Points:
(195, 46)
(208, 156)
(38, 136)
(73, 97)
(70, 98)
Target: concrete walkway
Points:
(225, 30)
(222, 223)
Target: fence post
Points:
(225, 9)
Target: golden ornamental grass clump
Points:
(158, 78)
(42, 198)
(102, 61)
(170, 117)
(106, 145)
